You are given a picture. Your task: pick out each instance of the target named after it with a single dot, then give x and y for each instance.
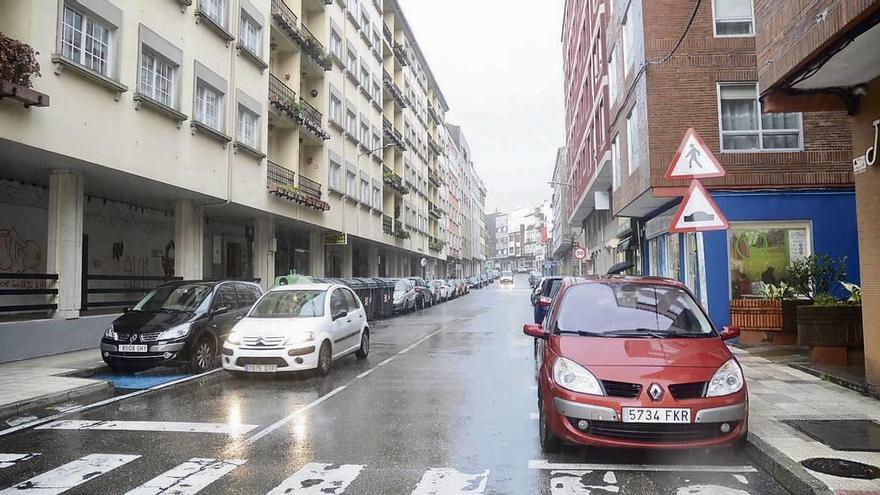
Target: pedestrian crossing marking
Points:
(319, 479)
(70, 475)
(161, 426)
(188, 478)
(448, 481)
(9, 460)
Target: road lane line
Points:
(9, 460)
(319, 479)
(188, 478)
(160, 426)
(448, 481)
(365, 373)
(562, 466)
(70, 475)
(104, 402)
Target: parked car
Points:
(404, 298)
(484, 279)
(474, 283)
(441, 288)
(506, 278)
(179, 323)
(545, 291)
(298, 327)
(634, 363)
(424, 295)
(534, 278)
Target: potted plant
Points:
(768, 319)
(18, 67)
(831, 326)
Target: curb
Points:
(843, 382)
(790, 474)
(24, 405)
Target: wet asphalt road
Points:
(444, 404)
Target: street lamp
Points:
(556, 182)
(367, 152)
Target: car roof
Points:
(624, 279)
(305, 287)
(207, 282)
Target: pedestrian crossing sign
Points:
(694, 160)
(698, 212)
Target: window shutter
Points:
(733, 10)
(739, 92)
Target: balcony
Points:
(434, 210)
(432, 112)
(392, 135)
(434, 147)
(312, 120)
(387, 225)
(300, 34)
(387, 33)
(394, 181)
(281, 182)
(400, 231)
(315, 49)
(17, 72)
(433, 178)
(401, 54)
(436, 244)
(393, 90)
(284, 101)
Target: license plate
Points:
(655, 415)
(132, 348)
(261, 368)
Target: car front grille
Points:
(262, 342)
(244, 361)
(143, 337)
(150, 337)
(655, 432)
(683, 391)
(621, 389)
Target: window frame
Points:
(715, 23)
(760, 131)
(616, 175)
(764, 224)
(197, 116)
(173, 81)
(246, 19)
(630, 148)
(242, 111)
(86, 16)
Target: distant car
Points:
(298, 327)
(545, 291)
(179, 323)
(484, 279)
(506, 278)
(441, 289)
(424, 295)
(474, 283)
(534, 278)
(404, 298)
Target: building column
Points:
(65, 240)
(347, 260)
(264, 251)
(316, 253)
(372, 261)
(189, 240)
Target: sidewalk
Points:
(33, 382)
(779, 394)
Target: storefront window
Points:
(673, 262)
(654, 253)
(762, 252)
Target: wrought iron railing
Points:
(283, 14)
(394, 89)
(387, 225)
(388, 36)
(310, 186)
(281, 95)
(311, 112)
(281, 182)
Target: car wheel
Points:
(364, 349)
(203, 355)
(324, 357)
(550, 443)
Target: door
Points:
(234, 260)
(340, 320)
(357, 316)
(224, 310)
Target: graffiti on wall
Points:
(17, 254)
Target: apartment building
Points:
(562, 238)
(788, 191)
(218, 138)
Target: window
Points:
(338, 303)
(632, 138)
(365, 76)
(377, 141)
(365, 191)
(351, 62)
(673, 262)
(335, 114)
(733, 17)
(744, 126)
(247, 127)
(762, 252)
(612, 74)
(249, 34)
(625, 43)
(377, 198)
(350, 183)
(351, 123)
(615, 162)
(365, 132)
(352, 300)
(225, 298)
(86, 41)
(214, 10)
(157, 78)
(334, 179)
(208, 106)
(336, 44)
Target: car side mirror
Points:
(126, 309)
(221, 310)
(340, 314)
(730, 333)
(535, 330)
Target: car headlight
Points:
(175, 332)
(110, 333)
(300, 338)
(574, 377)
(727, 380)
(234, 338)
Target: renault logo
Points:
(655, 391)
(133, 337)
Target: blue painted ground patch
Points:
(141, 380)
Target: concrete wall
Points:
(29, 339)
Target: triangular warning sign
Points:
(694, 160)
(698, 212)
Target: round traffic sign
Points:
(580, 253)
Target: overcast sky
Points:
(499, 64)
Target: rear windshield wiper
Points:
(582, 333)
(639, 332)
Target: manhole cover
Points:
(842, 434)
(842, 468)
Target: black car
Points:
(424, 295)
(543, 296)
(178, 323)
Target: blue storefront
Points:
(768, 230)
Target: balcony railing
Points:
(394, 90)
(313, 119)
(434, 178)
(400, 231)
(387, 225)
(434, 147)
(281, 182)
(433, 113)
(315, 49)
(434, 211)
(283, 98)
(401, 54)
(436, 244)
(392, 135)
(394, 181)
(287, 20)
(388, 36)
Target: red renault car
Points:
(635, 362)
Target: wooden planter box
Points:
(833, 333)
(765, 321)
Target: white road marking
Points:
(573, 483)
(67, 406)
(562, 466)
(383, 363)
(104, 402)
(70, 475)
(188, 478)
(365, 373)
(319, 479)
(611, 479)
(448, 481)
(742, 479)
(709, 490)
(9, 460)
(20, 420)
(165, 426)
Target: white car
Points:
(507, 278)
(441, 288)
(298, 327)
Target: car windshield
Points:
(290, 304)
(506, 274)
(401, 286)
(184, 297)
(631, 310)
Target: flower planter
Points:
(833, 333)
(765, 321)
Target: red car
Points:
(635, 362)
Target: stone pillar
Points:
(189, 240)
(372, 261)
(64, 249)
(264, 251)
(316, 253)
(347, 259)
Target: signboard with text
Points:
(336, 239)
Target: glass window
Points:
(351, 62)
(351, 123)
(673, 261)
(214, 10)
(762, 253)
(377, 198)
(249, 34)
(224, 298)
(336, 44)
(626, 43)
(157, 78)
(208, 108)
(615, 162)
(184, 297)
(365, 133)
(246, 297)
(654, 256)
(354, 303)
(733, 17)
(334, 179)
(247, 127)
(86, 41)
(335, 109)
(290, 304)
(350, 184)
(338, 302)
(744, 126)
(365, 191)
(632, 139)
